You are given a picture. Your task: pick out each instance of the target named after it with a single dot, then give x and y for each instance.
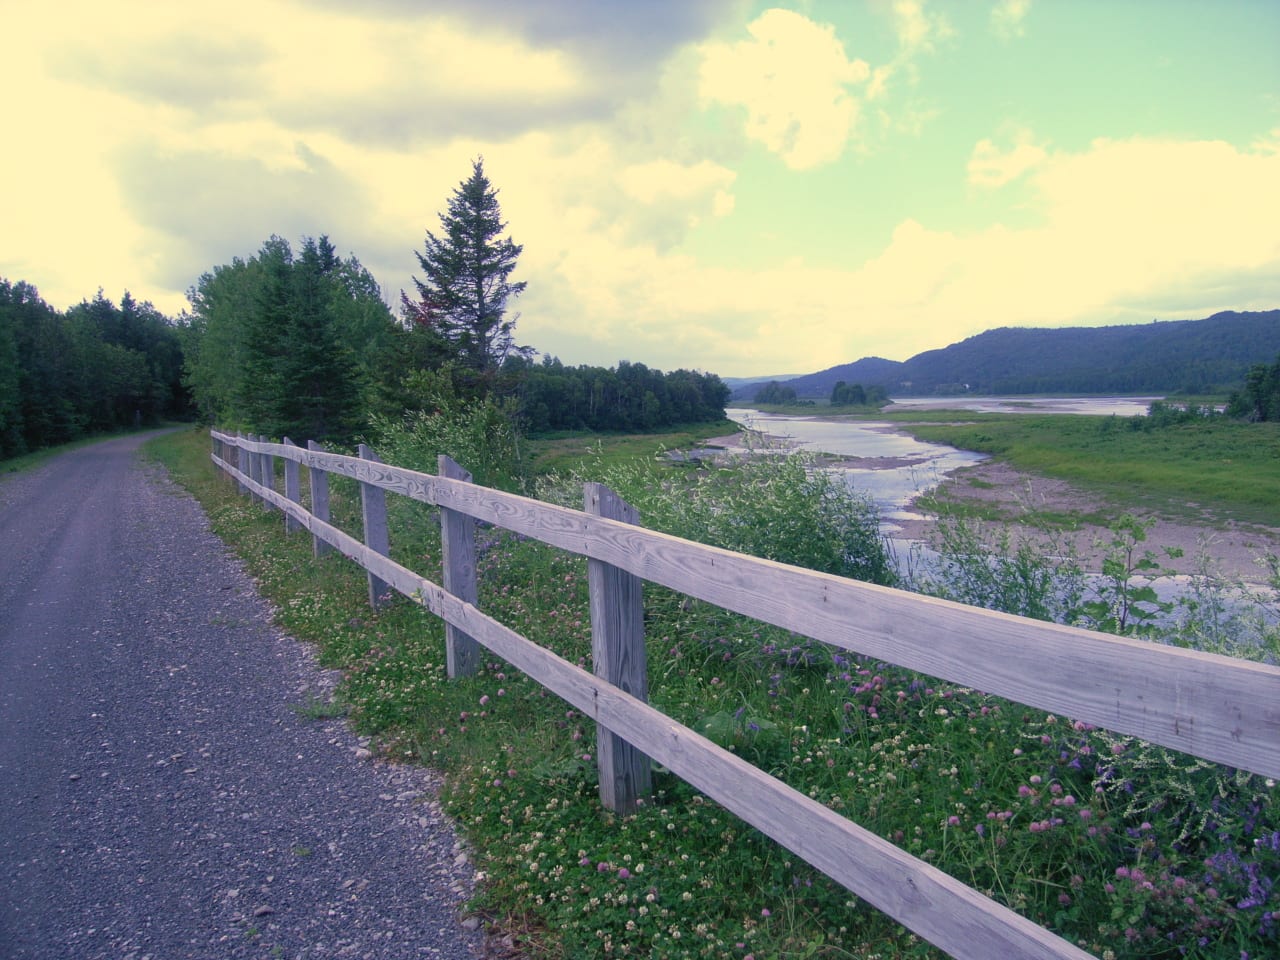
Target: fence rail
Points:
(1211, 706)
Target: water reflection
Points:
(1098, 406)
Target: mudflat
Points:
(1229, 548)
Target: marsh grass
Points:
(1124, 848)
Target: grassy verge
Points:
(1216, 469)
(1128, 850)
(565, 450)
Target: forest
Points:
(97, 367)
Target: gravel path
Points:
(162, 798)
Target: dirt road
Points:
(161, 795)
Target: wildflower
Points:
(953, 821)
(624, 873)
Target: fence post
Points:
(373, 507)
(267, 470)
(242, 461)
(617, 655)
(458, 545)
(319, 500)
(292, 487)
(255, 467)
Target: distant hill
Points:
(1190, 356)
(734, 383)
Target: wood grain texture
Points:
(1215, 707)
(458, 546)
(319, 481)
(267, 468)
(617, 656)
(373, 510)
(292, 487)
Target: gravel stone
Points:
(162, 797)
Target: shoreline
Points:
(1226, 547)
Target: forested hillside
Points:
(95, 368)
(1191, 356)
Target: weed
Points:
(318, 708)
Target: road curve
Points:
(159, 797)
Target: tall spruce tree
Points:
(463, 298)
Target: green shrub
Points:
(777, 507)
(480, 435)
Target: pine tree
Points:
(463, 298)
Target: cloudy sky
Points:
(734, 186)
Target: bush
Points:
(777, 507)
(480, 435)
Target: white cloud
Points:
(660, 179)
(793, 79)
(918, 33)
(161, 180)
(1124, 222)
(917, 29)
(1007, 18)
(990, 166)
(1125, 225)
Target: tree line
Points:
(97, 367)
(628, 397)
(303, 344)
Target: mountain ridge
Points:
(1210, 355)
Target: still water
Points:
(893, 468)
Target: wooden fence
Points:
(1214, 707)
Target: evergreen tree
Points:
(463, 298)
(317, 375)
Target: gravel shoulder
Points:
(165, 794)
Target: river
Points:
(892, 468)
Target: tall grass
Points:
(1127, 849)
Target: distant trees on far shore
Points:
(1260, 398)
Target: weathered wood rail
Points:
(1214, 707)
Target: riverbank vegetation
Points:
(1127, 849)
(1203, 466)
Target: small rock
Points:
(362, 753)
(74, 777)
(471, 924)
(263, 911)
